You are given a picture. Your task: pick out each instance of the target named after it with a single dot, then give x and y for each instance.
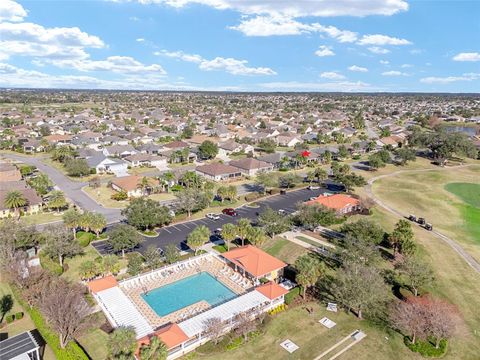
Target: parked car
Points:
(217, 232)
(311, 187)
(412, 218)
(212, 216)
(283, 192)
(428, 227)
(229, 212)
(421, 221)
(282, 212)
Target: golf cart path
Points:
(452, 243)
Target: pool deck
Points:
(204, 263)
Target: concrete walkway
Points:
(474, 264)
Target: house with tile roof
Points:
(341, 203)
(219, 172)
(251, 166)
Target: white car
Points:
(313, 187)
(312, 198)
(212, 216)
(282, 212)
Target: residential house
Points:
(9, 172)
(219, 172)
(33, 146)
(119, 150)
(132, 185)
(288, 140)
(33, 206)
(28, 345)
(251, 166)
(103, 164)
(341, 203)
(148, 160)
(274, 159)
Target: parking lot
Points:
(177, 234)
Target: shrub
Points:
(292, 295)
(252, 197)
(85, 238)
(19, 315)
(9, 319)
(278, 309)
(48, 264)
(427, 348)
(119, 196)
(234, 344)
(220, 248)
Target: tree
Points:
(229, 233)
(66, 314)
(190, 200)
(41, 183)
(256, 236)
(122, 343)
(208, 149)
(146, 213)
(267, 145)
(63, 153)
(77, 167)
(122, 237)
(85, 221)
(135, 264)
(71, 219)
(199, 236)
(89, 269)
(14, 199)
(273, 223)
(309, 268)
(343, 152)
(191, 180)
(98, 222)
(110, 264)
(152, 257)
(243, 228)
(57, 200)
(265, 180)
(375, 162)
(214, 328)
(171, 254)
(155, 350)
(416, 272)
(409, 316)
(443, 320)
(6, 304)
(289, 180)
(364, 229)
(244, 325)
(320, 174)
(405, 155)
(60, 243)
(312, 215)
(401, 234)
(359, 288)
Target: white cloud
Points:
(384, 62)
(394, 73)
(28, 39)
(298, 8)
(357, 68)
(406, 66)
(140, 40)
(346, 86)
(332, 75)
(450, 79)
(230, 65)
(11, 11)
(115, 64)
(276, 25)
(324, 50)
(378, 50)
(470, 56)
(382, 40)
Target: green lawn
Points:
(284, 249)
(468, 192)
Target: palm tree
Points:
(143, 185)
(156, 350)
(85, 221)
(71, 219)
(57, 200)
(229, 233)
(256, 236)
(199, 236)
(320, 174)
(243, 227)
(122, 343)
(97, 223)
(309, 269)
(15, 200)
(166, 179)
(222, 192)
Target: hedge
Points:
(71, 352)
(9, 319)
(19, 315)
(85, 238)
(252, 197)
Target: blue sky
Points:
(244, 45)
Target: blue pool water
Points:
(175, 296)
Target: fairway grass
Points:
(429, 195)
(468, 192)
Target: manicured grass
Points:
(284, 249)
(468, 192)
(102, 195)
(94, 341)
(41, 218)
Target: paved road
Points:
(177, 234)
(452, 243)
(72, 189)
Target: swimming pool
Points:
(175, 296)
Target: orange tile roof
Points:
(336, 202)
(255, 261)
(172, 335)
(130, 183)
(271, 290)
(105, 283)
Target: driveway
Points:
(72, 189)
(177, 234)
